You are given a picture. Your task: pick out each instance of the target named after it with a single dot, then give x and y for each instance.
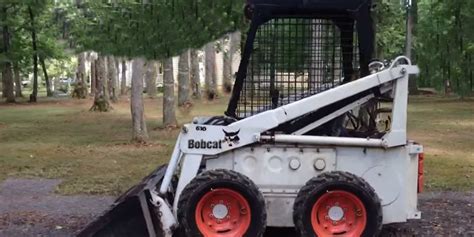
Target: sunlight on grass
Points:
(91, 153)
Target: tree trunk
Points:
(117, 76)
(235, 41)
(183, 79)
(49, 92)
(150, 78)
(169, 113)
(34, 95)
(412, 13)
(80, 88)
(112, 78)
(123, 82)
(101, 98)
(227, 67)
(16, 70)
(81, 68)
(104, 71)
(93, 76)
(195, 75)
(234, 54)
(140, 133)
(7, 75)
(210, 80)
(4, 93)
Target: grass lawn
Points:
(60, 138)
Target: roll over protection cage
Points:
(344, 13)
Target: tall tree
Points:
(93, 76)
(49, 92)
(140, 133)
(183, 79)
(150, 78)
(234, 55)
(211, 78)
(226, 43)
(17, 74)
(112, 75)
(7, 75)
(169, 112)
(101, 97)
(104, 71)
(34, 42)
(195, 75)
(411, 22)
(80, 88)
(81, 67)
(123, 82)
(235, 45)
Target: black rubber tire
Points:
(344, 181)
(220, 178)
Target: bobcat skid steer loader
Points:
(314, 138)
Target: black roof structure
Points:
(307, 6)
(351, 17)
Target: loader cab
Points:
(295, 49)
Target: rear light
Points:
(421, 158)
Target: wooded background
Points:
(98, 42)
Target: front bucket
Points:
(132, 214)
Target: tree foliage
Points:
(17, 19)
(445, 45)
(154, 29)
(444, 40)
(158, 29)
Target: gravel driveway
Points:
(30, 208)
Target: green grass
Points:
(446, 128)
(91, 152)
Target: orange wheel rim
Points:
(338, 213)
(223, 212)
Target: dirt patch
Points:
(443, 214)
(30, 208)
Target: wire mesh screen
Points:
(294, 58)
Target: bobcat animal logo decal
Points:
(231, 138)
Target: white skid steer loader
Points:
(314, 138)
